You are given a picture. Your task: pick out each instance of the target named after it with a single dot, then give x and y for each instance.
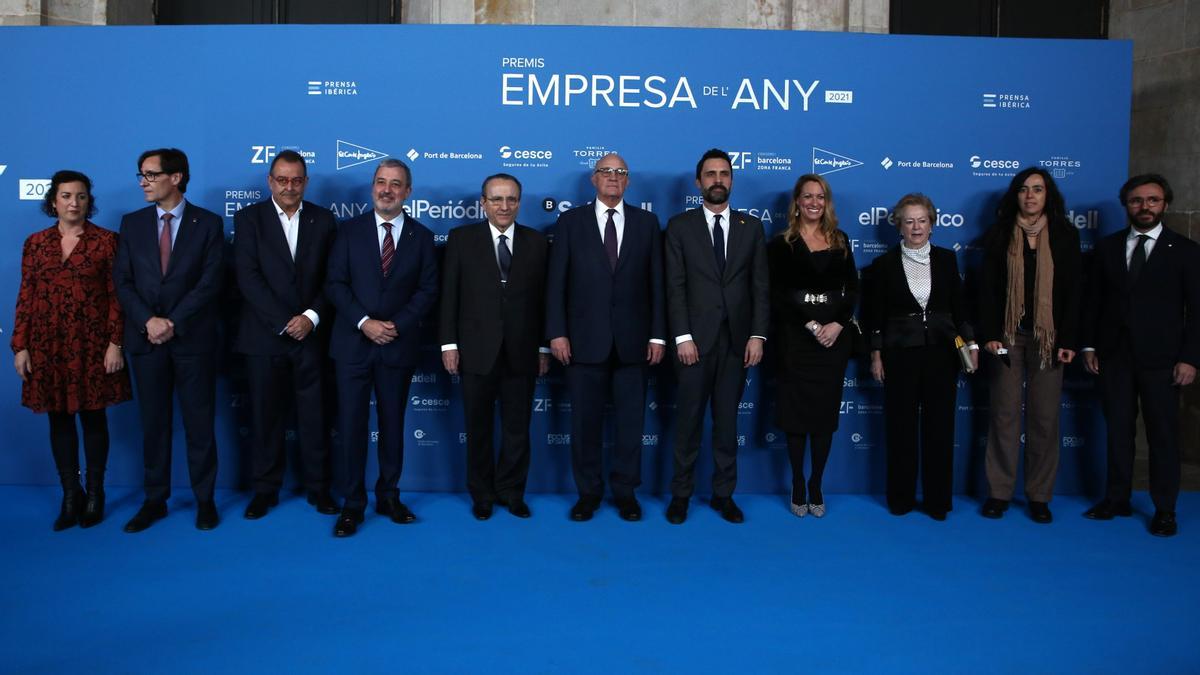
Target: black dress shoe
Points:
(260, 505)
(629, 509)
(347, 523)
(324, 502)
(93, 510)
(72, 508)
(519, 508)
(728, 510)
(1163, 524)
(994, 508)
(395, 509)
(145, 517)
(1106, 509)
(481, 510)
(1040, 512)
(584, 508)
(937, 515)
(677, 510)
(206, 516)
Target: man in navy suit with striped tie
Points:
(382, 280)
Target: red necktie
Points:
(164, 242)
(388, 251)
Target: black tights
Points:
(64, 443)
(821, 445)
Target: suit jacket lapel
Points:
(900, 277)
(274, 237)
(736, 239)
(183, 237)
(706, 239)
(629, 239)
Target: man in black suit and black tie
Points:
(382, 281)
(168, 274)
(279, 249)
(718, 300)
(1142, 331)
(606, 323)
(493, 300)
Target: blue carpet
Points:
(860, 591)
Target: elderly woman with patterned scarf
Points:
(1028, 318)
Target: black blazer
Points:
(355, 284)
(186, 294)
(275, 287)
(1160, 315)
(893, 316)
(479, 313)
(1068, 283)
(698, 298)
(595, 306)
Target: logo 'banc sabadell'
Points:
(352, 154)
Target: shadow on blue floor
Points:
(859, 591)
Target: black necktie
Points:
(504, 256)
(1138, 260)
(610, 240)
(719, 243)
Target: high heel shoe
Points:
(818, 510)
(798, 510)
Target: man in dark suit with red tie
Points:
(168, 274)
(606, 323)
(1141, 332)
(718, 305)
(382, 281)
(493, 299)
(279, 249)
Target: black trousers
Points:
(590, 385)
(489, 477)
(355, 382)
(717, 379)
(919, 390)
(278, 384)
(159, 375)
(64, 444)
(1123, 386)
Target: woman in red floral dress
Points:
(67, 340)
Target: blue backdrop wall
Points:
(878, 115)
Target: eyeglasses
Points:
(497, 201)
(284, 181)
(608, 171)
(1136, 202)
(150, 176)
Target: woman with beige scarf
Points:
(1028, 319)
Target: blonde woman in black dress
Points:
(814, 287)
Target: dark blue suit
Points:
(357, 287)
(1140, 330)
(187, 296)
(276, 287)
(609, 316)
